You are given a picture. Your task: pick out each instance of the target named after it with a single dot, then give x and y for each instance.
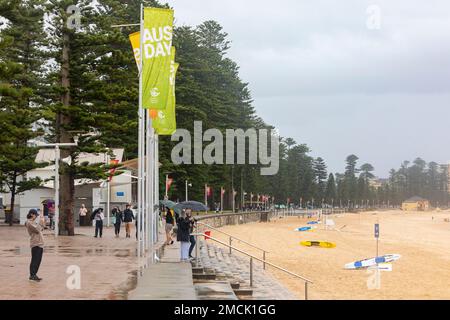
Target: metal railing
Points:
(307, 281)
(230, 239)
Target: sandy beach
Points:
(422, 239)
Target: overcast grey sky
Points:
(322, 77)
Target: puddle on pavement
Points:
(75, 252)
(121, 292)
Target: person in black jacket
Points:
(183, 236)
(128, 217)
(118, 217)
(170, 222)
(192, 225)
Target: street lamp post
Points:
(187, 185)
(56, 186)
(56, 183)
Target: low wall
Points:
(225, 219)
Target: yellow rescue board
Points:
(322, 244)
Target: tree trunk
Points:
(66, 178)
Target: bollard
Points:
(306, 290)
(196, 251)
(264, 259)
(251, 272)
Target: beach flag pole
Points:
(156, 190)
(377, 234)
(140, 141)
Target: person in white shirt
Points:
(83, 212)
(98, 216)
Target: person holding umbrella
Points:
(98, 217)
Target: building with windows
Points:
(92, 194)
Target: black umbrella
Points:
(167, 203)
(193, 205)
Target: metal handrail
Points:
(233, 237)
(307, 281)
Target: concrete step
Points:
(204, 276)
(198, 270)
(214, 290)
(235, 285)
(242, 291)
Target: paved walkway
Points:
(108, 265)
(168, 279)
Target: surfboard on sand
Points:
(302, 229)
(372, 261)
(321, 244)
(314, 222)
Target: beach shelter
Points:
(416, 204)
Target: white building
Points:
(93, 194)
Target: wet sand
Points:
(422, 239)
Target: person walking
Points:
(118, 219)
(83, 212)
(98, 216)
(34, 229)
(192, 223)
(128, 217)
(170, 222)
(183, 236)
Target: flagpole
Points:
(166, 197)
(108, 190)
(233, 200)
(148, 181)
(140, 137)
(221, 199)
(156, 189)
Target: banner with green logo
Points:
(156, 57)
(165, 121)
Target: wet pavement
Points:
(108, 266)
(168, 279)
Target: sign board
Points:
(96, 197)
(120, 194)
(377, 230)
(383, 267)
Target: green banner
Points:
(156, 57)
(165, 121)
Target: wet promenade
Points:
(107, 265)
